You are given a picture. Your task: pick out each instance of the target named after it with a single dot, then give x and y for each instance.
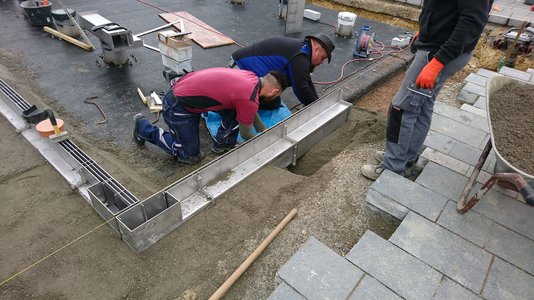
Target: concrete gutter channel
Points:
(142, 223)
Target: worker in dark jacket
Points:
(235, 94)
(448, 33)
(295, 58)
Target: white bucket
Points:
(345, 23)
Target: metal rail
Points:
(142, 223)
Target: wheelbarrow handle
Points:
(525, 189)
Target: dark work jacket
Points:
(451, 27)
(287, 55)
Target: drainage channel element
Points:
(142, 223)
(107, 196)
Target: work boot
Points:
(379, 156)
(371, 171)
(219, 148)
(193, 160)
(135, 137)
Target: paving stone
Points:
(458, 131)
(472, 226)
(465, 153)
(508, 282)
(498, 18)
(371, 289)
(448, 289)
(510, 72)
(409, 194)
(442, 180)
(405, 275)
(507, 212)
(467, 97)
(531, 71)
(317, 272)
(512, 247)
(474, 110)
(474, 89)
(446, 252)
(385, 204)
(476, 79)
(516, 20)
(487, 73)
(462, 116)
(481, 103)
(446, 161)
(285, 292)
(439, 141)
(415, 2)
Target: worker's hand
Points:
(412, 43)
(427, 77)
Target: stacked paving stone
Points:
(505, 12)
(435, 253)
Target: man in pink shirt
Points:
(235, 94)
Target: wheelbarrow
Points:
(505, 174)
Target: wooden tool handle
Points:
(244, 266)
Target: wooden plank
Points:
(141, 95)
(68, 38)
(203, 34)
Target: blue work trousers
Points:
(410, 113)
(182, 140)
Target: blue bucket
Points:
(39, 15)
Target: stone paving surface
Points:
(435, 253)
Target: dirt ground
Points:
(511, 118)
(40, 214)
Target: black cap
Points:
(325, 42)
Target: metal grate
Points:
(14, 96)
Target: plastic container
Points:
(38, 13)
(345, 23)
(63, 23)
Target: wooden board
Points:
(203, 34)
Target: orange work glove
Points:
(427, 77)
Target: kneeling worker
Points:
(235, 94)
(296, 58)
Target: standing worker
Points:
(295, 58)
(235, 94)
(448, 33)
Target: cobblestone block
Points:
(371, 289)
(458, 131)
(476, 79)
(448, 289)
(472, 226)
(439, 141)
(409, 194)
(285, 292)
(481, 103)
(446, 252)
(445, 160)
(467, 97)
(510, 72)
(385, 204)
(511, 247)
(401, 272)
(487, 73)
(474, 110)
(317, 272)
(442, 180)
(507, 282)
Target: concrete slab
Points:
(476, 79)
(474, 110)
(511, 247)
(511, 72)
(458, 131)
(459, 115)
(442, 180)
(507, 282)
(481, 103)
(448, 289)
(285, 292)
(371, 289)
(409, 194)
(398, 270)
(445, 160)
(474, 89)
(385, 204)
(317, 272)
(439, 141)
(472, 226)
(488, 73)
(446, 252)
(467, 97)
